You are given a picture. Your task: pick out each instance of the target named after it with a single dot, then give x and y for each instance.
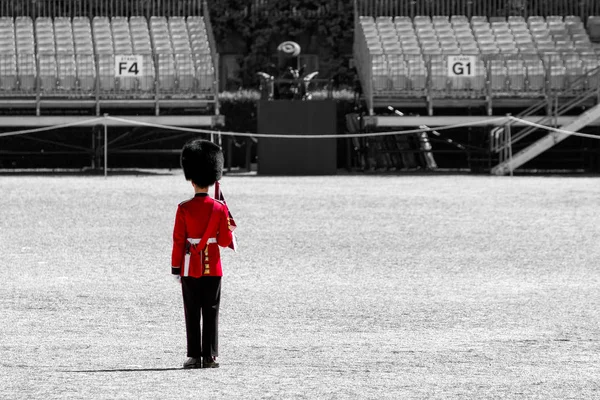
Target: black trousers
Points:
(201, 298)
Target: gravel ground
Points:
(399, 287)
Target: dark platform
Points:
(279, 156)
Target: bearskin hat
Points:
(202, 162)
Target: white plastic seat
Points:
(516, 75)
(536, 74)
(439, 77)
(557, 77)
(422, 19)
(535, 19)
(425, 31)
(166, 71)
(372, 50)
(200, 45)
(122, 45)
(369, 29)
(451, 50)
(433, 50)
(8, 72)
(408, 39)
(479, 22)
(459, 18)
(519, 29)
(399, 76)
(387, 36)
(592, 81)
(445, 32)
(516, 19)
(405, 31)
(185, 71)
(546, 47)
(411, 52)
(106, 71)
(573, 71)
(465, 35)
(417, 75)
(27, 71)
(379, 74)
(85, 71)
(498, 76)
(84, 50)
(47, 77)
(25, 47)
(402, 19)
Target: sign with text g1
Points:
(129, 65)
(462, 66)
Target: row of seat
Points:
(62, 53)
(479, 35)
(514, 75)
(513, 54)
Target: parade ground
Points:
(344, 287)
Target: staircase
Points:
(502, 139)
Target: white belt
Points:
(186, 261)
(196, 241)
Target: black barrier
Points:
(280, 156)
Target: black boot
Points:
(209, 362)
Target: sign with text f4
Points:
(462, 66)
(129, 65)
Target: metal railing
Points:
(490, 8)
(501, 138)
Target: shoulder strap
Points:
(211, 228)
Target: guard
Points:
(202, 224)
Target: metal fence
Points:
(490, 8)
(91, 8)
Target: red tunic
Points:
(191, 221)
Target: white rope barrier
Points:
(490, 121)
(327, 136)
(53, 127)
(557, 130)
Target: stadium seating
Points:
(122, 44)
(8, 55)
(104, 48)
(25, 47)
(65, 54)
(183, 53)
(517, 55)
(58, 55)
(163, 48)
(201, 55)
(142, 45)
(85, 61)
(46, 52)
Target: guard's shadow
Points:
(86, 172)
(125, 370)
